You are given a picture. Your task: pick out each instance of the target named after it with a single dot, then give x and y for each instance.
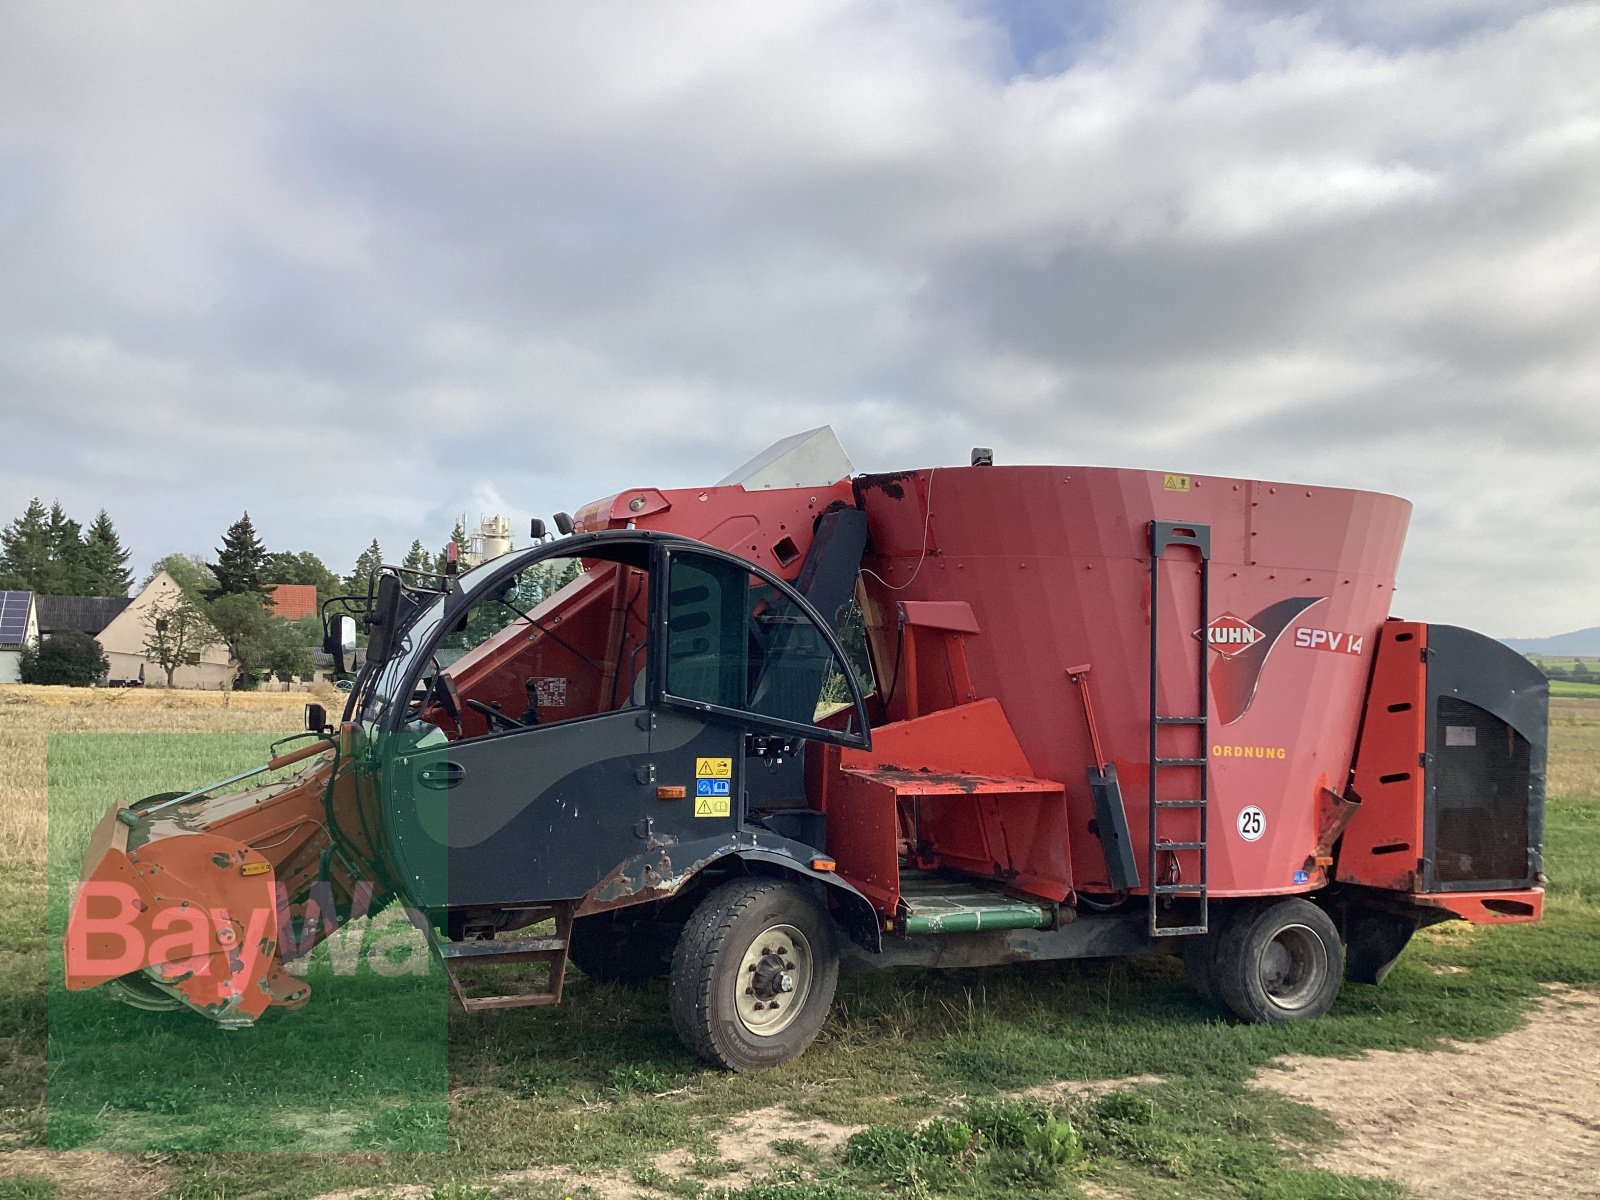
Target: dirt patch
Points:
(747, 1146)
(88, 1175)
(1067, 1089)
(1517, 1116)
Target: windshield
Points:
(382, 690)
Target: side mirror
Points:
(564, 523)
(536, 529)
(316, 718)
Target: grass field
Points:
(597, 1094)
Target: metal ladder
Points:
(1165, 810)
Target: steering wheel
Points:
(449, 698)
(493, 716)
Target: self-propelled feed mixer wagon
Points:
(957, 716)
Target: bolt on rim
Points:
(774, 980)
(1293, 966)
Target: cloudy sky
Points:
(362, 267)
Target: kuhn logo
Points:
(1229, 635)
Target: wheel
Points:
(1279, 962)
(753, 974)
(612, 951)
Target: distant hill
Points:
(1583, 643)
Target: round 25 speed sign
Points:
(1252, 824)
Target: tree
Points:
(240, 620)
(176, 632)
(258, 641)
(189, 571)
(107, 559)
(418, 559)
(284, 652)
(68, 658)
(71, 573)
(368, 564)
(241, 560)
(25, 553)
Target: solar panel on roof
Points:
(14, 617)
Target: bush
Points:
(69, 658)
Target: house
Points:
(292, 601)
(19, 625)
(85, 614)
(123, 640)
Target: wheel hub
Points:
(773, 980)
(1292, 966)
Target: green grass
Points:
(1569, 690)
(601, 1084)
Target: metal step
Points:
(546, 949)
(1180, 720)
(1162, 844)
(501, 949)
(1181, 762)
(1180, 803)
(1179, 930)
(1180, 889)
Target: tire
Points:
(1200, 953)
(753, 974)
(1279, 962)
(612, 951)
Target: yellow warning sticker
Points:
(713, 768)
(712, 806)
(1176, 483)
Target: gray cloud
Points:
(362, 269)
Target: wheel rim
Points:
(774, 980)
(1293, 966)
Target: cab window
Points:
(736, 642)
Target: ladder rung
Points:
(1180, 889)
(1180, 720)
(491, 948)
(1180, 762)
(1180, 803)
(1178, 930)
(1160, 845)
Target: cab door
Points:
(739, 655)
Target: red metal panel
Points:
(1054, 562)
(1383, 842)
(1487, 908)
(770, 527)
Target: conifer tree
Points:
(69, 557)
(107, 559)
(25, 559)
(367, 565)
(241, 559)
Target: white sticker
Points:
(550, 691)
(1252, 824)
(1460, 735)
